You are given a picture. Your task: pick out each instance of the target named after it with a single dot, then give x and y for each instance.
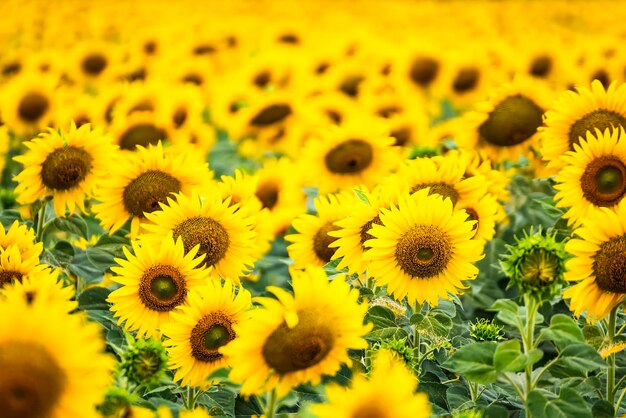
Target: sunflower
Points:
(53, 364)
(94, 62)
(13, 267)
(140, 128)
(297, 339)
(311, 244)
(278, 188)
(28, 103)
(506, 126)
(389, 392)
(23, 238)
(155, 280)
(140, 181)
(595, 175)
(199, 328)
(485, 212)
(598, 263)
(423, 249)
(225, 235)
(352, 232)
(41, 287)
(348, 155)
(68, 166)
(576, 113)
(445, 176)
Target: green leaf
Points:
(362, 196)
(475, 362)
(94, 299)
(507, 311)
(438, 324)
(385, 325)
(577, 360)
(602, 409)
(74, 225)
(569, 404)
(509, 358)
(593, 336)
(563, 330)
(457, 397)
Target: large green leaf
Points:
(474, 362)
(569, 404)
(509, 358)
(563, 330)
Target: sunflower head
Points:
(536, 264)
(144, 362)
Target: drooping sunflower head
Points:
(506, 126)
(140, 182)
(349, 155)
(223, 234)
(155, 280)
(68, 166)
(595, 174)
(598, 263)
(423, 249)
(536, 264)
(201, 327)
(303, 336)
(578, 112)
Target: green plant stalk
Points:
(271, 405)
(417, 307)
(41, 214)
(190, 399)
(610, 375)
(473, 389)
(528, 335)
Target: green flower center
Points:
(162, 288)
(512, 121)
(65, 168)
(211, 332)
(603, 182)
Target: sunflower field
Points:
(316, 209)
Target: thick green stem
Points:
(610, 375)
(190, 399)
(528, 336)
(41, 214)
(473, 390)
(271, 405)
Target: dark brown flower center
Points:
(388, 111)
(513, 121)
(604, 181)
(350, 85)
(541, 66)
(211, 332)
(370, 410)
(31, 382)
(192, 78)
(305, 345)
(9, 276)
(94, 64)
(162, 288)
(442, 189)
(32, 107)
(209, 234)
(179, 117)
(271, 114)
(351, 156)
(609, 265)
(423, 251)
(601, 119)
(466, 79)
(143, 134)
(322, 240)
(365, 235)
(262, 79)
(402, 136)
(423, 71)
(11, 68)
(603, 77)
(65, 168)
(143, 194)
(472, 215)
(268, 193)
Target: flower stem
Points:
(190, 400)
(41, 214)
(271, 405)
(610, 375)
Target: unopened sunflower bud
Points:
(145, 362)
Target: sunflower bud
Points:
(117, 403)
(468, 413)
(484, 330)
(145, 362)
(399, 349)
(536, 264)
